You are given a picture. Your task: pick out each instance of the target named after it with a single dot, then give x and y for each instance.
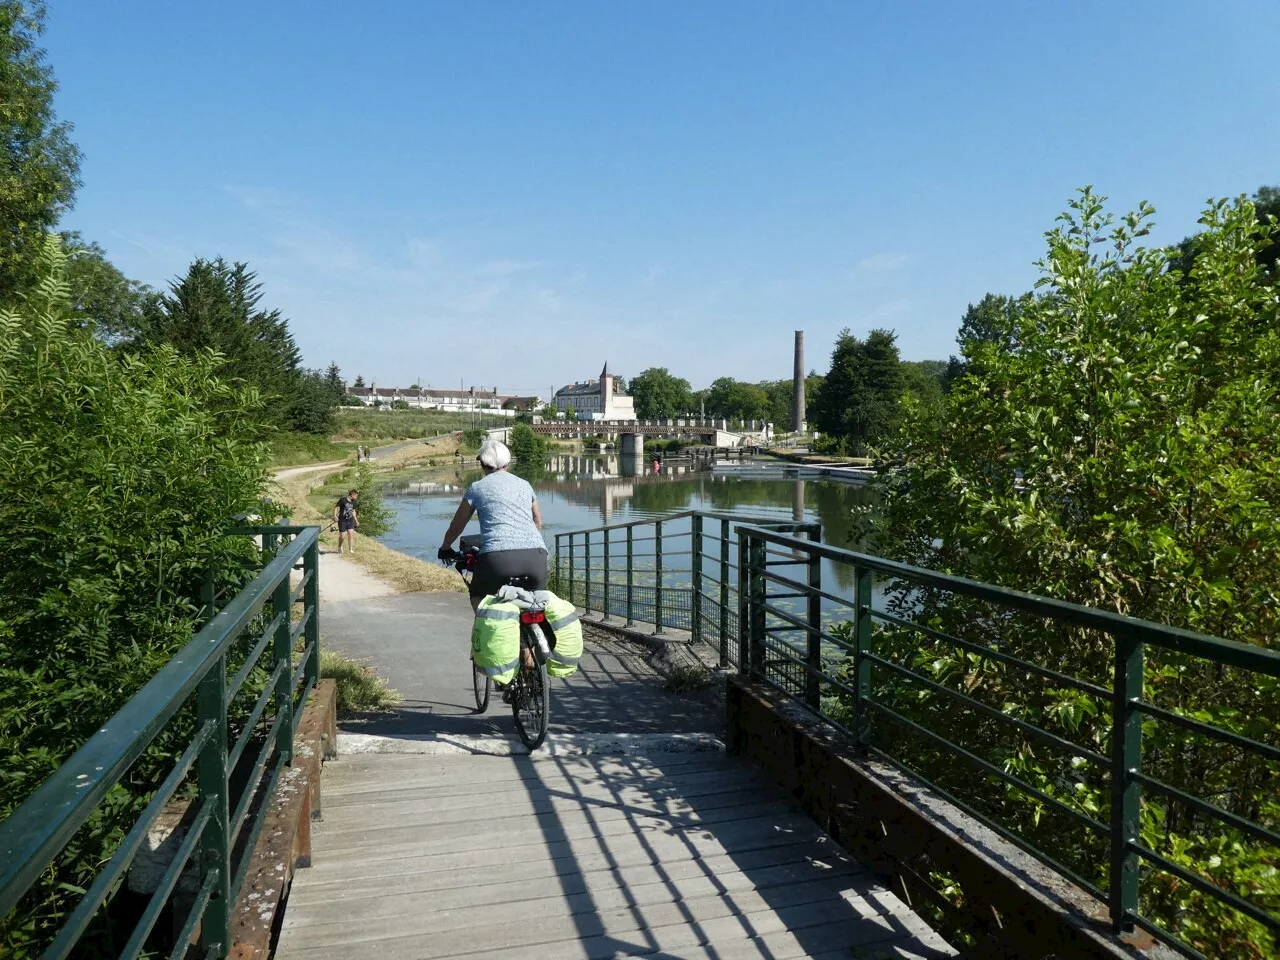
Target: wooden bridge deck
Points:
(563, 858)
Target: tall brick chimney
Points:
(797, 405)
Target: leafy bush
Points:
(471, 439)
(527, 447)
(376, 518)
(118, 480)
(1117, 450)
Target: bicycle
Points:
(529, 692)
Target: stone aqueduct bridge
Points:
(630, 434)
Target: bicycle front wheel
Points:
(481, 685)
(531, 705)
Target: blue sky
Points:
(511, 193)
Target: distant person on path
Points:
(347, 519)
(510, 521)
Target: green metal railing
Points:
(228, 765)
(890, 678)
(679, 572)
(958, 683)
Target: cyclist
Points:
(510, 525)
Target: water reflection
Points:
(580, 492)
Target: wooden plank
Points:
(676, 864)
(601, 889)
(772, 817)
(728, 840)
(346, 777)
(513, 809)
(390, 789)
(448, 933)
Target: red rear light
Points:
(533, 616)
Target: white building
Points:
(453, 401)
(596, 399)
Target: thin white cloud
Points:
(882, 263)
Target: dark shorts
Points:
(344, 526)
(492, 570)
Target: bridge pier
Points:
(631, 444)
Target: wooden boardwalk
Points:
(688, 855)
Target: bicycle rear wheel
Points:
(531, 704)
(481, 686)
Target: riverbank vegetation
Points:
(1110, 441)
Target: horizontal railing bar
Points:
(301, 625)
(1255, 830)
(990, 823)
(1207, 729)
(1083, 818)
(785, 563)
(302, 585)
(1249, 909)
(34, 833)
(830, 638)
(246, 858)
(1027, 728)
(303, 660)
(705, 514)
(804, 665)
(1084, 686)
(167, 882)
(254, 531)
(1166, 937)
(251, 660)
(1231, 652)
(255, 778)
(255, 714)
(301, 701)
(808, 590)
(124, 854)
(183, 942)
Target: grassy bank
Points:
(299, 449)
(309, 499)
(385, 426)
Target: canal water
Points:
(581, 492)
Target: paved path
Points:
(421, 642)
(567, 858)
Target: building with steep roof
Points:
(596, 399)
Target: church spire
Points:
(605, 372)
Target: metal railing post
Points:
(211, 776)
(695, 536)
(586, 576)
(282, 651)
(862, 633)
(631, 575)
(604, 607)
(573, 594)
(311, 604)
(1126, 762)
(559, 564)
(758, 621)
(657, 582)
(813, 646)
(744, 613)
(724, 593)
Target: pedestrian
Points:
(347, 519)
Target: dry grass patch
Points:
(360, 689)
(405, 573)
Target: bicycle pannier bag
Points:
(495, 639)
(563, 619)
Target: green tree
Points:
(118, 479)
(859, 400)
(216, 306)
(101, 296)
(923, 379)
(39, 165)
(527, 447)
(1122, 456)
(732, 399)
(1266, 207)
(333, 381)
(359, 383)
(659, 395)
